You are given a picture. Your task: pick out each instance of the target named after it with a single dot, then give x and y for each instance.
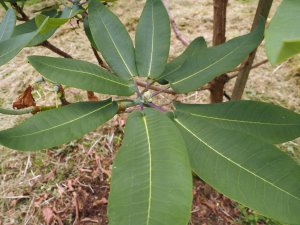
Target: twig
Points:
(53, 48)
(219, 37)
(253, 67)
(14, 197)
(263, 9)
(4, 5)
(155, 88)
(174, 26)
(24, 17)
(100, 60)
(17, 111)
(27, 220)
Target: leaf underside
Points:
(151, 178)
(215, 61)
(112, 40)
(269, 122)
(152, 39)
(244, 168)
(81, 74)
(58, 126)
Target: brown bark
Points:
(219, 37)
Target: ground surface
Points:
(72, 181)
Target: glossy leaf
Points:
(112, 40)
(244, 168)
(81, 74)
(151, 177)
(194, 48)
(52, 23)
(215, 61)
(58, 126)
(269, 122)
(11, 47)
(283, 33)
(7, 25)
(152, 39)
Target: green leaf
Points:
(152, 39)
(283, 33)
(112, 40)
(191, 51)
(52, 23)
(88, 33)
(215, 61)
(269, 122)
(11, 47)
(81, 74)
(8, 25)
(58, 126)
(244, 168)
(151, 177)
(30, 26)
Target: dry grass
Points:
(73, 175)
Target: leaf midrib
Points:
(150, 169)
(244, 121)
(235, 163)
(60, 125)
(109, 34)
(152, 40)
(79, 71)
(4, 29)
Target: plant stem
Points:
(53, 48)
(4, 5)
(100, 60)
(174, 26)
(16, 111)
(24, 17)
(263, 9)
(152, 105)
(155, 88)
(216, 86)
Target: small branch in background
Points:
(4, 5)
(62, 97)
(219, 37)
(17, 111)
(53, 48)
(19, 10)
(263, 9)
(155, 88)
(253, 67)
(100, 60)
(174, 26)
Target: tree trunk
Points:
(219, 37)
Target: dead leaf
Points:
(25, 100)
(92, 97)
(48, 215)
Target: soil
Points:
(71, 183)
